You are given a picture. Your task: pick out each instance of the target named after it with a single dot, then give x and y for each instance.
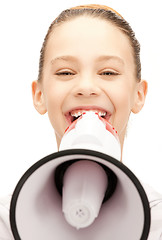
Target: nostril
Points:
(79, 94)
(86, 94)
(93, 94)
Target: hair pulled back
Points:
(95, 11)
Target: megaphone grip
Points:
(90, 177)
(61, 169)
(85, 183)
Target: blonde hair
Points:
(97, 6)
(96, 11)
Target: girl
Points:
(90, 60)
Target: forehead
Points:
(88, 36)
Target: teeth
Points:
(102, 114)
(80, 112)
(76, 114)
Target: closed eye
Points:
(109, 73)
(64, 73)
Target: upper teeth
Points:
(80, 112)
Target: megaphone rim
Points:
(120, 165)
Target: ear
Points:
(38, 97)
(141, 93)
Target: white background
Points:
(26, 136)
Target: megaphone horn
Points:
(81, 192)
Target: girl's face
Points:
(88, 65)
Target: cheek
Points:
(122, 99)
(123, 102)
(121, 95)
(55, 96)
(53, 100)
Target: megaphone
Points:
(82, 191)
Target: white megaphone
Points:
(81, 192)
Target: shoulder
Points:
(5, 232)
(155, 200)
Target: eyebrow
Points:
(64, 58)
(108, 58)
(99, 59)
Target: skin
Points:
(88, 65)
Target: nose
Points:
(87, 87)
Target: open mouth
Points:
(75, 114)
(104, 116)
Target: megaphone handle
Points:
(61, 169)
